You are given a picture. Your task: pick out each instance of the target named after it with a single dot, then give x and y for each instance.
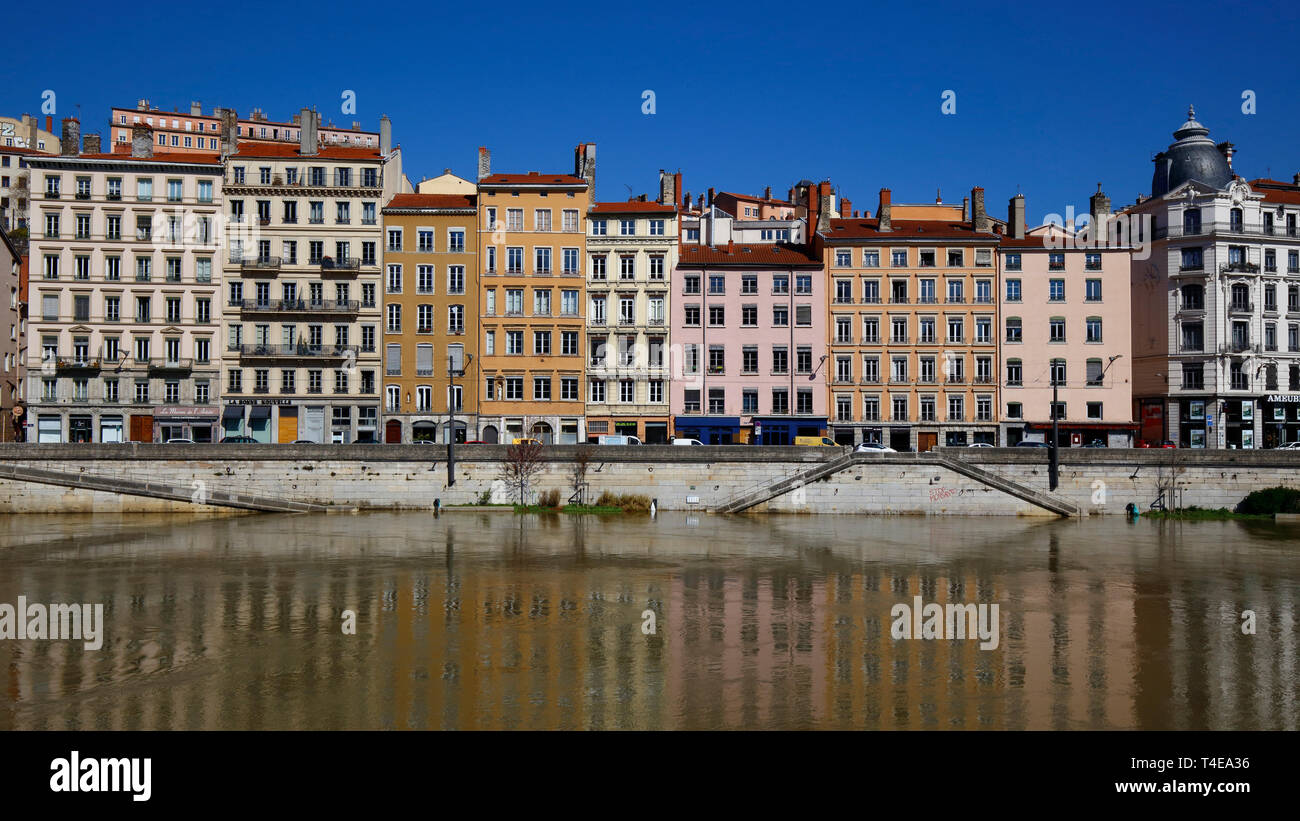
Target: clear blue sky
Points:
(1050, 98)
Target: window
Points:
(1094, 370)
(871, 258)
(1092, 290)
(1191, 260)
(691, 316)
(843, 258)
(1013, 329)
(780, 316)
(1092, 262)
(541, 343)
(803, 316)
(541, 388)
(1015, 410)
(1015, 373)
(803, 284)
(1056, 290)
(1092, 326)
(898, 258)
(596, 392)
(514, 342)
(717, 315)
(956, 257)
(1056, 329)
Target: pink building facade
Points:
(748, 335)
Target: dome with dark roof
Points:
(1193, 157)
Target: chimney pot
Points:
(92, 144)
(1016, 216)
(308, 140)
(385, 135)
(484, 162)
(979, 217)
(141, 140)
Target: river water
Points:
(497, 621)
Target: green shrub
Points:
(549, 498)
(1271, 500)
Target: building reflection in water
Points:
(499, 621)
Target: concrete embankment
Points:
(983, 481)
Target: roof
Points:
(767, 256)
(532, 178)
(633, 207)
(1277, 191)
(258, 148)
(13, 250)
(167, 157)
(869, 229)
(431, 201)
(14, 149)
(752, 198)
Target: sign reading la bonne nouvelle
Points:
(260, 401)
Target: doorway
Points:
(926, 440)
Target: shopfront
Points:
(1281, 418)
(197, 423)
(711, 430)
(232, 421)
(110, 429)
(1195, 424)
(782, 430)
(1239, 424)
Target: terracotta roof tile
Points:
(532, 178)
(747, 254)
(257, 148)
(903, 229)
(193, 157)
(439, 201)
(634, 207)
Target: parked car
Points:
(615, 439)
(687, 442)
(476, 442)
(239, 440)
(525, 441)
(1289, 445)
(1095, 443)
(1031, 444)
(180, 441)
(1168, 444)
(304, 442)
(873, 447)
(815, 442)
(979, 445)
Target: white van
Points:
(687, 442)
(618, 440)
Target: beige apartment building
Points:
(531, 248)
(125, 274)
(431, 309)
(20, 138)
(191, 130)
(912, 325)
(631, 253)
(302, 309)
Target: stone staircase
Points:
(163, 490)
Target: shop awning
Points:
(259, 412)
(709, 421)
(232, 412)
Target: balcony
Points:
(171, 365)
(1239, 268)
(52, 195)
(344, 266)
(254, 265)
(293, 351)
(77, 364)
(1237, 346)
(1241, 307)
(299, 306)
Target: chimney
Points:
(92, 144)
(141, 140)
(846, 207)
(1099, 208)
(30, 127)
(965, 208)
(584, 166)
(307, 138)
(484, 162)
(710, 198)
(49, 124)
(385, 135)
(70, 144)
(142, 105)
(824, 198)
(731, 246)
(687, 200)
(677, 186)
(884, 213)
(979, 219)
(667, 193)
(229, 132)
(1016, 216)
(767, 193)
(1227, 150)
(196, 108)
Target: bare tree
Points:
(523, 461)
(578, 473)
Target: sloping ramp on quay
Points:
(756, 496)
(163, 490)
(1025, 493)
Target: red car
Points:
(1142, 443)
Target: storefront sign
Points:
(260, 401)
(1288, 398)
(183, 412)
